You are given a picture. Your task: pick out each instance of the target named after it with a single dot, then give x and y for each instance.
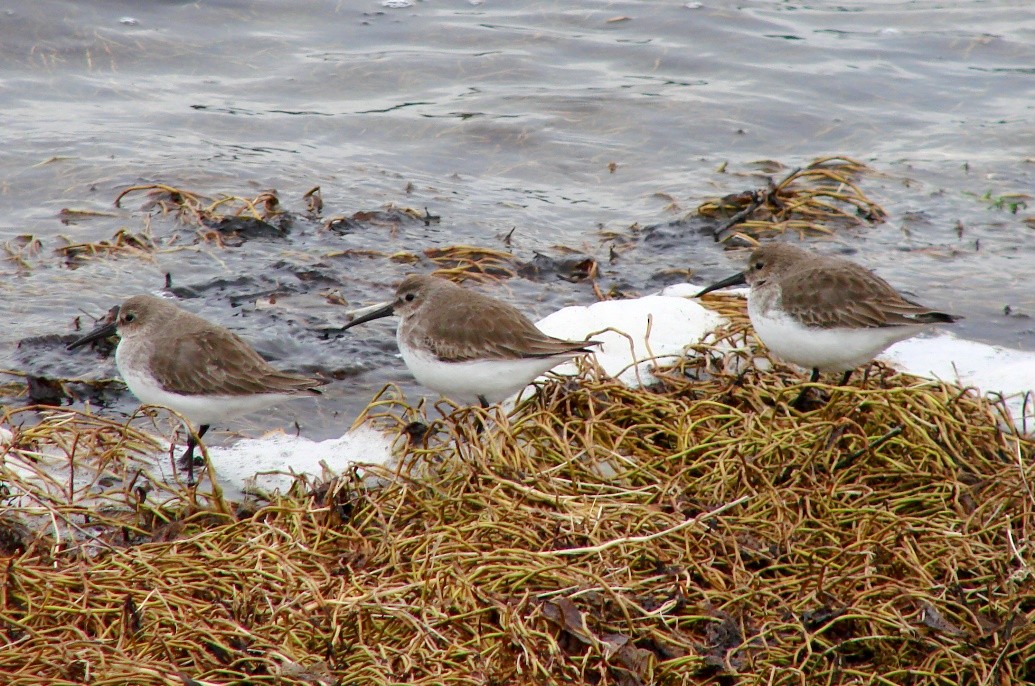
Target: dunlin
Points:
(465, 345)
(175, 359)
(823, 312)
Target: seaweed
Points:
(699, 531)
(806, 200)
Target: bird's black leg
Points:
(188, 457)
(800, 400)
(480, 425)
(847, 375)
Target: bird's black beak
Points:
(735, 280)
(103, 331)
(371, 313)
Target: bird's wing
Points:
(217, 362)
(487, 329)
(851, 296)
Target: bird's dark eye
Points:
(129, 317)
(409, 297)
(759, 264)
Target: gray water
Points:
(568, 122)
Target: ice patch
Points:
(656, 328)
(991, 368)
(270, 463)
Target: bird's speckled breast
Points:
(133, 358)
(410, 337)
(764, 299)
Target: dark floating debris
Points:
(313, 201)
(391, 217)
(672, 235)
(122, 243)
(574, 269)
(46, 391)
(70, 216)
(669, 277)
(228, 214)
(508, 237)
(462, 262)
(244, 228)
(802, 201)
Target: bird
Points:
(824, 312)
(466, 345)
(175, 359)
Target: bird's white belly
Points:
(465, 381)
(196, 408)
(829, 350)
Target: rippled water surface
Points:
(569, 122)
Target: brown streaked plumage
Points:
(824, 312)
(824, 291)
(477, 327)
(197, 357)
(176, 359)
(467, 345)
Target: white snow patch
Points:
(270, 463)
(644, 332)
(249, 466)
(991, 368)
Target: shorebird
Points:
(466, 345)
(175, 359)
(823, 312)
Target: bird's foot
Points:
(187, 461)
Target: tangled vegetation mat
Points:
(698, 532)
